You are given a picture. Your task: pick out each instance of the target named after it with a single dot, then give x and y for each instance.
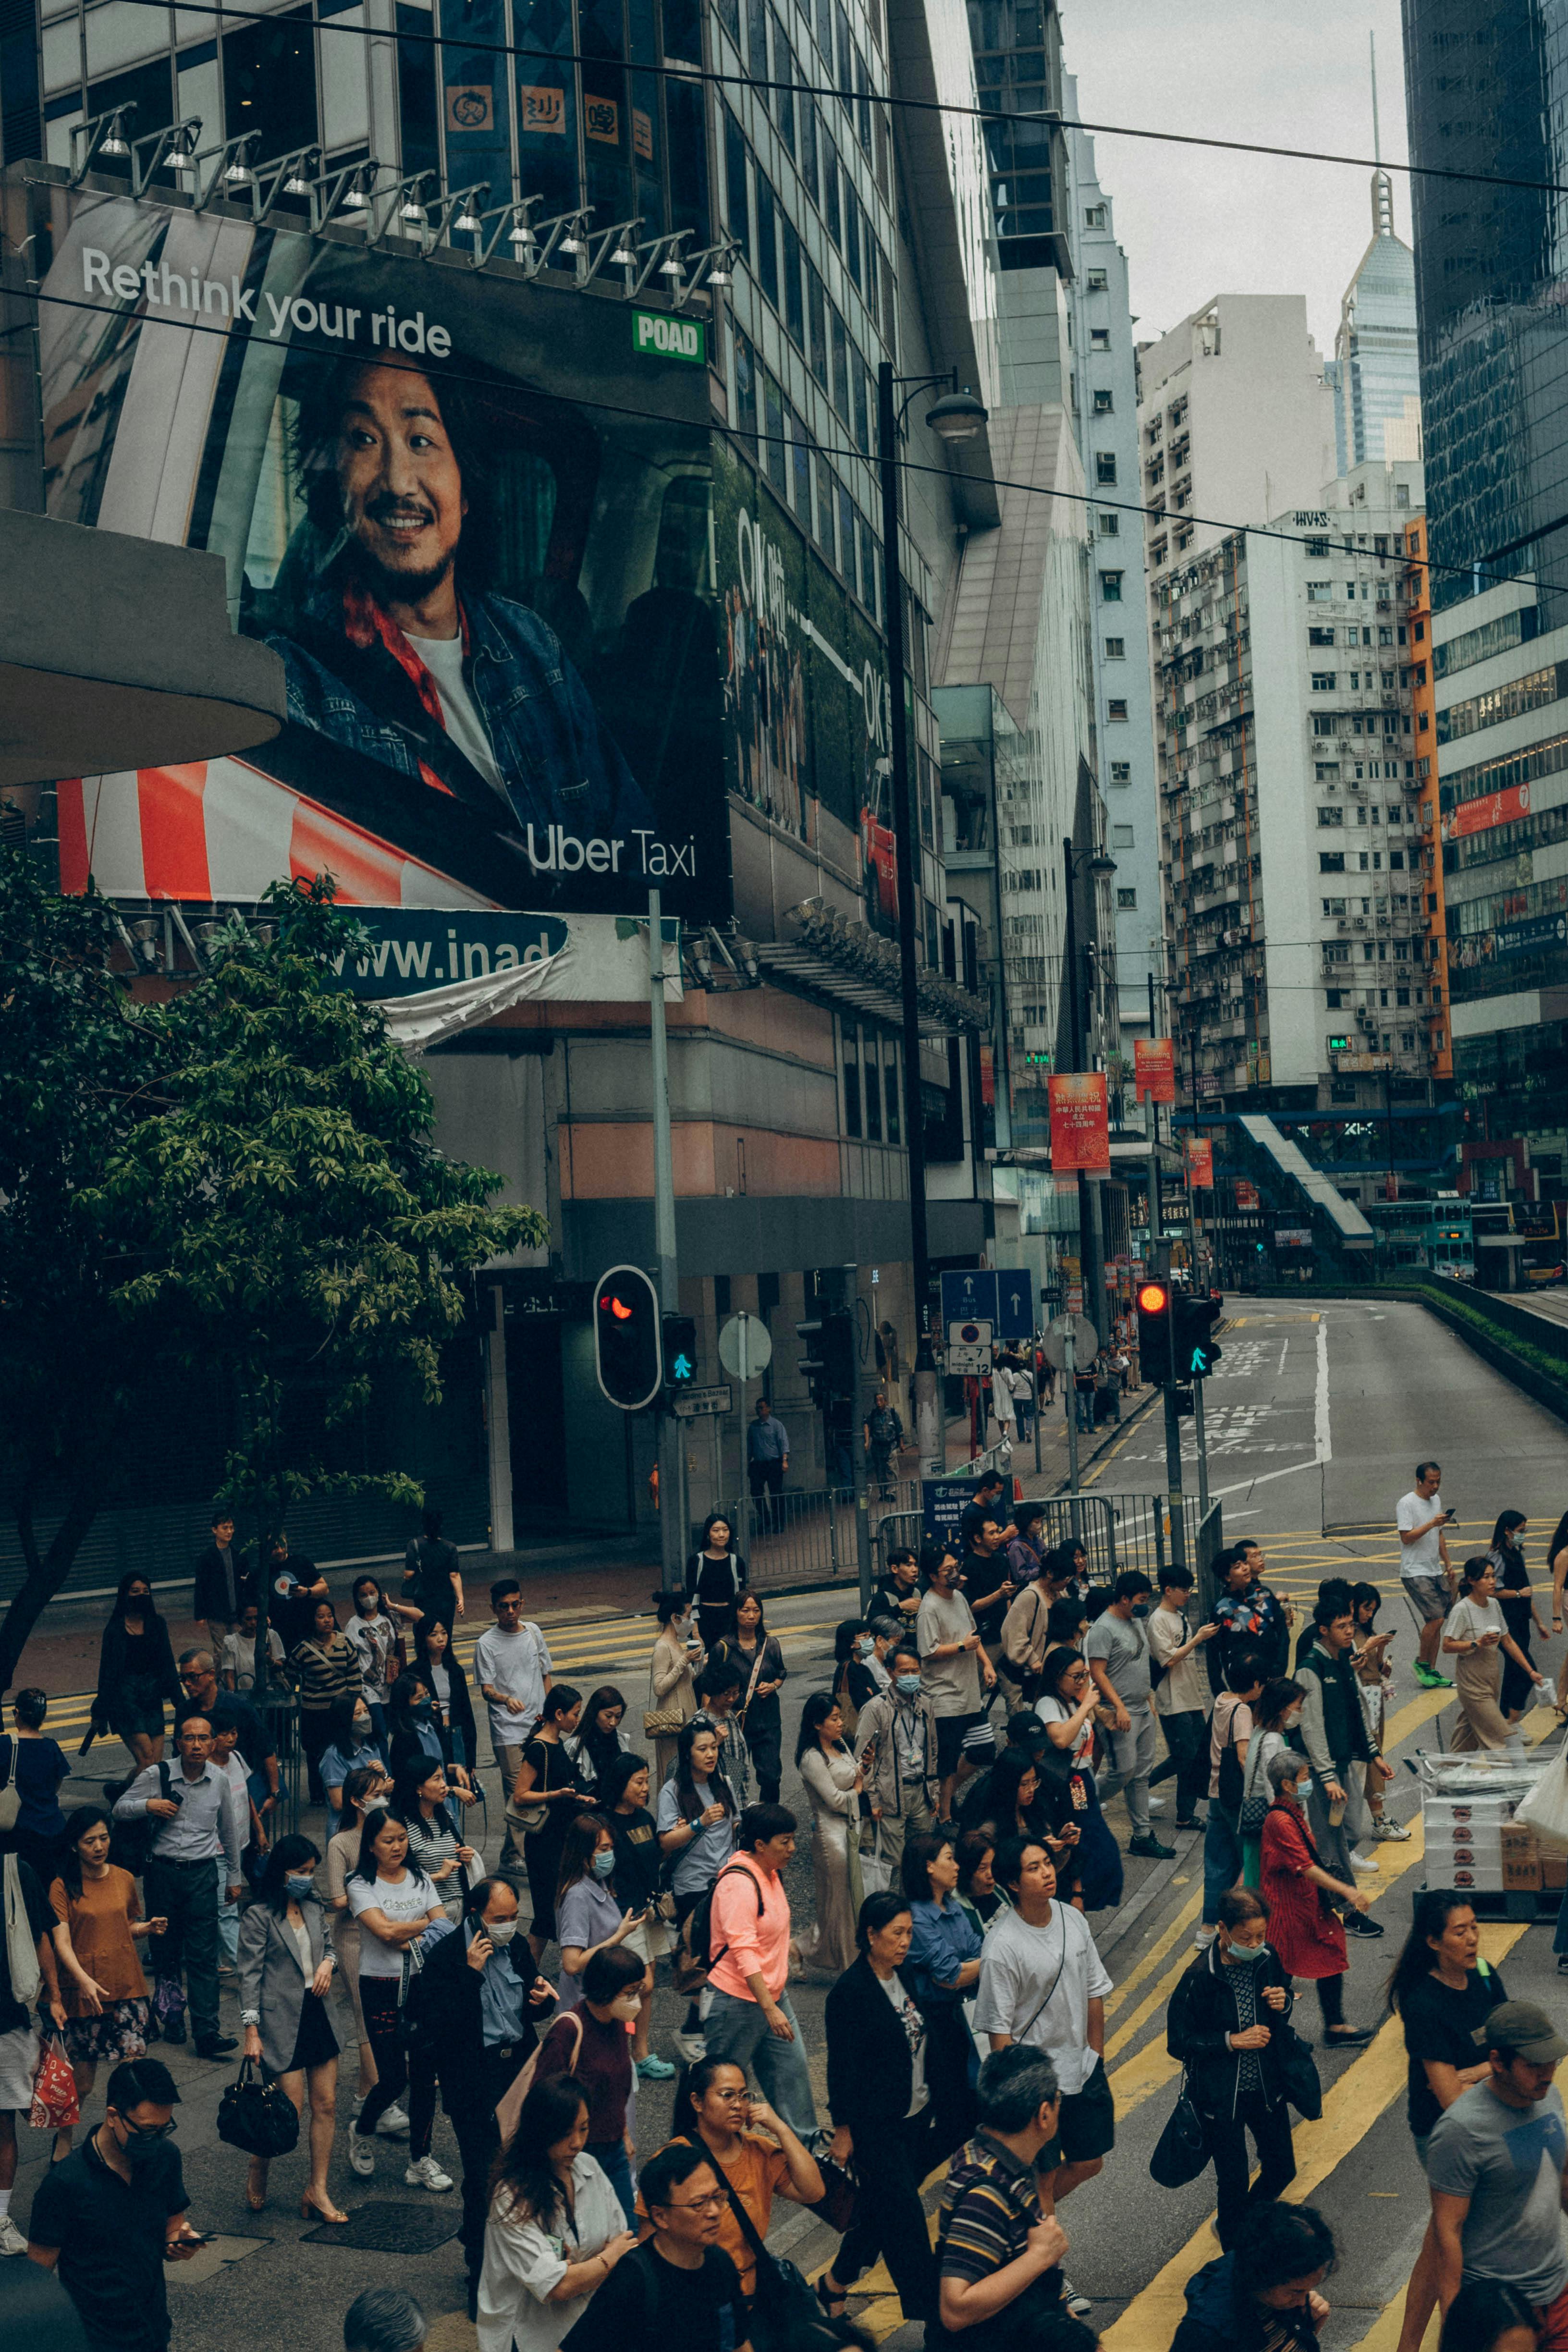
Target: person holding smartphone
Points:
(1425, 1568)
(476, 2002)
(588, 1917)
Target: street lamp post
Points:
(1090, 1264)
(956, 417)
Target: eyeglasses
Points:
(699, 2204)
(150, 2131)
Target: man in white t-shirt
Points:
(1424, 1565)
(511, 1667)
(1043, 1983)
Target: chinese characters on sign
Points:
(1200, 1164)
(1080, 1134)
(642, 134)
(1481, 815)
(542, 110)
(1154, 1069)
(602, 119)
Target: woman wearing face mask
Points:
(1520, 1612)
(1227, 2026)
(365, 1790)
(352, 1747)
(412, 1728)
(1275, 1717)
(395, 1903)
(854, 1685)
(135, 1673)
(592, 2044)
(1303, 1925)
(677, 1659)
(435, 1833)
(376, 1639)
(286, 1969)
(588, 1914)
(547, 1787)
(623, 1801)
(476, 2002)
(753, 1649)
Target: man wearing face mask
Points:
(1229, 2026)
(109, 2215)
(896, 1748)
(476, 2000)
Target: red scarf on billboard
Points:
(363, 622)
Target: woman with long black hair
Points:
(556, 2228)
(600, 1737)
(543, 1798)
(696, 1820)
(1441, 1990)
(1477, 1638)
(286, 1971)
(1520, 1613)
(136, 1677)
(716, 1577)
(826, 1762)
(757, 1654)
(395, 1903)
(434, 1823)
(452, 1703)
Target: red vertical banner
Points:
(1154, 1069)
(1080, 1130)
(1200, 1164)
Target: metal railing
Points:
(1117, 1531)
(805, 1536)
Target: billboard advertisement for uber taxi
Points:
(473, 515)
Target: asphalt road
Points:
(1312, 1410)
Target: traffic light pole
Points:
(858, 1448)
(671, 1467)
(1202, 1448)
(1174, 1495)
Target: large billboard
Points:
(472, 514)
(805, 683)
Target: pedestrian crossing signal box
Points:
(827, 1355)
(1196, 1351)
(628, 1352)
(1155, 1318)
(679, 1335)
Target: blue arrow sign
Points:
(1015, 1303)
(968, 1296)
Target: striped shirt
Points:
(989, 2205)
(327, 1670)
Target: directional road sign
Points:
(969, 1295)
(970, 1360)
(1015, 1304)
(1085, 1341)
(691, 1402)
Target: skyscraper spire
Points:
(1382, 185)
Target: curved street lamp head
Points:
(956, 416)
(1102, 864)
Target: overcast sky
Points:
(1195, 223)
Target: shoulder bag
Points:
(10, 1795)
(1182, 2150)
(1255, 1801)
(660, 1722)
(1229, 1782)
(785, 2314)
(510, 2105)
(257, 2117)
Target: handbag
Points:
(1546, 1807)
(55, 2103)
(840, 2195)
(1182, 2149)
(10, 1795)
(21, 1944)
(876, 1868)
(257, 2116)
(509, 2106)
(1299, 2073)
(661, 1722)
(1255, 1801)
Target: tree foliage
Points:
(238, 1181)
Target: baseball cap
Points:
(1523, 2027)
(1025, 1730)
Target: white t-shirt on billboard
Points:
(443, 658)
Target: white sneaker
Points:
(362, 2153)
(12, 2242)
(1156, 1805)
(693, 2047)
(1392, 1828)
(425, 2173)
(1074, 2300)
(394, 2124)
(1365, 1862)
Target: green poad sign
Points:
(656, 335)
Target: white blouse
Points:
(523, 2263)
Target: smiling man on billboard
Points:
(397, 648)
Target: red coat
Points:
(1303, 1928)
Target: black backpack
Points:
(131, 1841)
(694, 1956)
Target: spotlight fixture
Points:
(623, 257)
(115, 144)
(356, 195)
(718, 276)
(572, 243)
(298, 183)
(239, 174)
(413, 212)
(670, 267)
(468, 219)
(520, 233)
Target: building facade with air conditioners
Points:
(809, 238)
(1293, 845)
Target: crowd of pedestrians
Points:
(956, 1765)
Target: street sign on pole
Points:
(745, 1346)
(969, 1294)
(691, 1404)
(973, 1363)
(969, 1333)
(1079, 1332)
(1015, 1304)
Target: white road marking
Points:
(1284, 1344)
(1323, 1449)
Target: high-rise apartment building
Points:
(1486, 89)
(1295, 902)
(1104, 407)
(1375, 375)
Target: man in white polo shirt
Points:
(1424, 1565)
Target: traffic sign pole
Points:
(1069, 1360)
(672, 1511)
(1202, 1448)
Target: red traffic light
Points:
(1153, 1298)
(611, 1305)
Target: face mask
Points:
(603, 1864)
(298, 1887)
(627, 2006)
(361, 1727)
(1245, 1956)
(907, 1686)
(864, 1645)
(141, 2149)
(500, 1931)
(1292, 1721)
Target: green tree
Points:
(252, 1195)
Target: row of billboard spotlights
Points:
(416, 208)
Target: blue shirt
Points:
(503, 1996)
(943, 1938)
(336, 1767)
(767, 1440)
(699, 1860)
